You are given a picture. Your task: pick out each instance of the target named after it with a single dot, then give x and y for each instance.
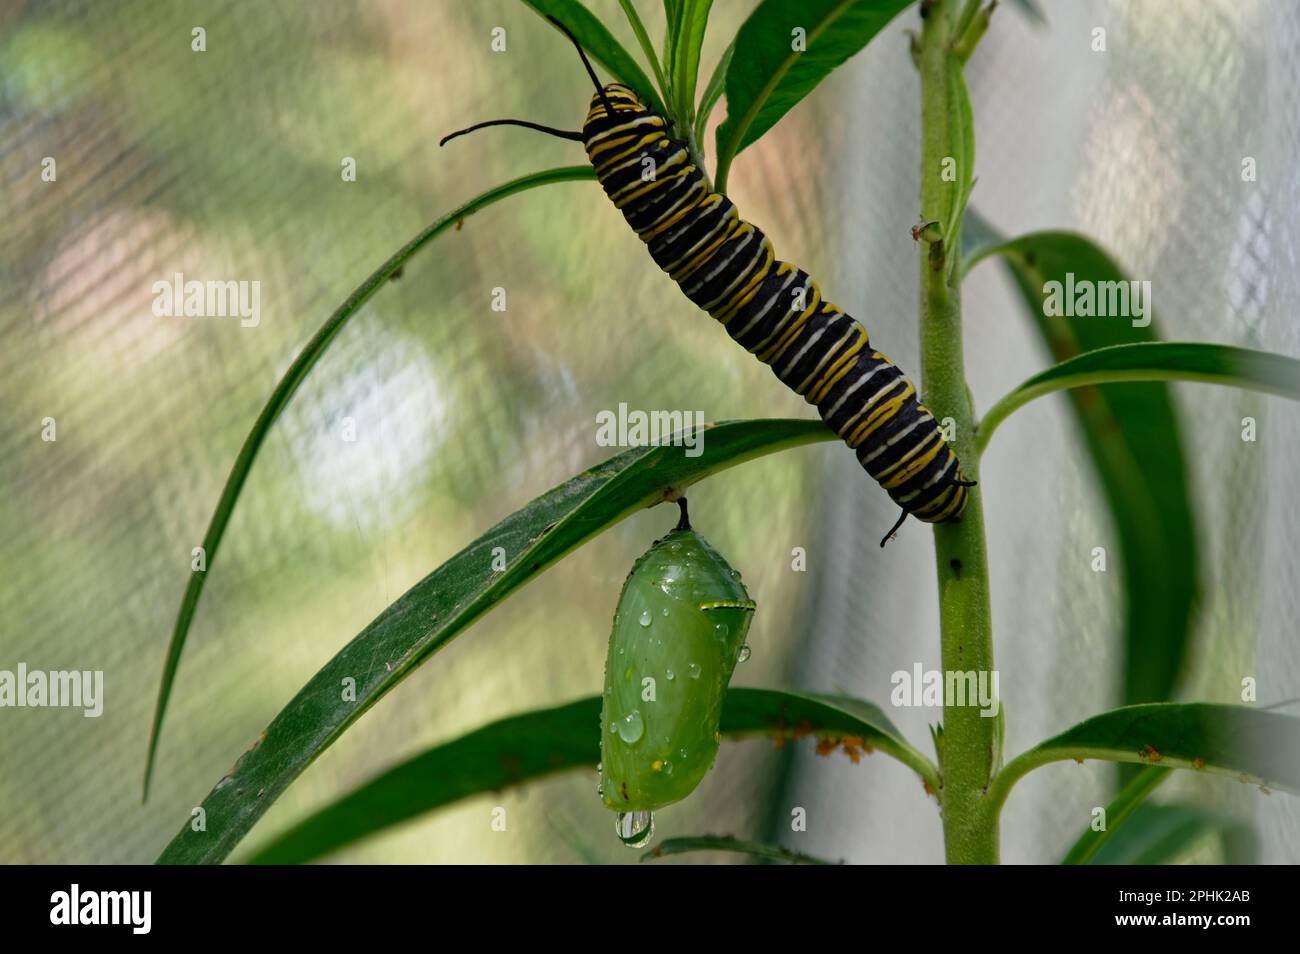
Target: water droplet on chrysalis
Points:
(744, 654)
(670, 675)
(645, 617)
(693, 670)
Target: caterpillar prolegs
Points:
(773, 309)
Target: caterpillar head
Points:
(622, 100)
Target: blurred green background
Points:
(226, 165)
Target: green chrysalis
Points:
(678, 633)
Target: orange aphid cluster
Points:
(852, 745)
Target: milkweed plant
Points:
(683, 613)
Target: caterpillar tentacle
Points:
(771, 308)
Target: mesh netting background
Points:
(226, 165)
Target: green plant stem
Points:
(968, 752)
(697, 156)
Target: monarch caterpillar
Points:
(771, 308)
(678, 633)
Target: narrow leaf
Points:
(279, 400)
(712, 92)
(441, 605)
(1134, 439)
(1129, 799)
(770, 73)
(1163, 834)
(693, 21)
(647, 48)
(681, 846)
(1154, 361)
(1253, 745)
(672, 26)
(537, 744)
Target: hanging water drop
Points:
(634, 829)
(631, 728)
(744, 654)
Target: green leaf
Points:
(1130, 797)
(534, 745)
(767, 77)
(680, 846)
(1134, 438)
(437, 608)
(1154, 361)
(279, 400)
(1163, 834)
(647, 48)
(713, 92)
(1253, 745)
(692, 21)
(600, 45)
(672, 24)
